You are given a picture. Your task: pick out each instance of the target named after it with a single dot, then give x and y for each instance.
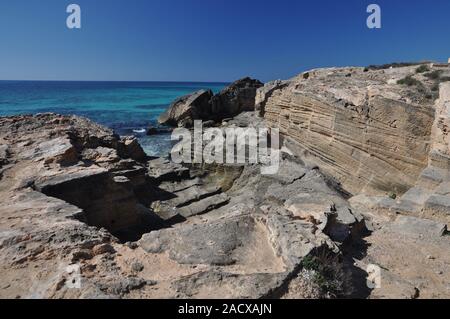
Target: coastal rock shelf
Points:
(363, 182)
(76, 195)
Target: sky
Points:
(213, 40)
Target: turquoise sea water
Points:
(127, 107)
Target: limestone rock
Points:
(203, 105)
(188, 108)
(418, 227)
(72, 191)
(162, 169)
(264, 93)
(130, 147)
(236, 98)
(370, 135)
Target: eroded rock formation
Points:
(238, 97)
(75, 195)
(370, 129)
(187, 109)
(380, 133)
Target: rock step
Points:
(204, 206)
(438, 207)
(174, 187)
(413, 200)
(162, 169)
(437, 159)
(191, 195)
(406, 207)
(432, 176)
(418, 227)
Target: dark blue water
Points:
(126, 107)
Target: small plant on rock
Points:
(434, 75)
(392, 195)
(422, 69)
(409, 81)
(328, 273)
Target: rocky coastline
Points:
(363, 181)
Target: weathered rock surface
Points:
(72, 192)
(64, 174)
(255, 234)
(203, 105)
(187, 109)
(76, 195)
(412, 255)
(369, 129)
(238, 97)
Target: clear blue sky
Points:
(212, 40)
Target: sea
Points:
(128, 108)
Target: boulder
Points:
(203, 105)
(157, 130)
(237, 98)
(129, 147)
(187, 109)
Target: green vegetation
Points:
(409, 81)
(421, 88)
(390, 65)
(437, 76)
(329, 273)
(422, 69)
(434, 75)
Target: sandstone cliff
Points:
(370, 128)
(382, 133)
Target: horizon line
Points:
(118, 81)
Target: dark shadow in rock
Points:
(357, 250)
(119, 204)
(149, 222)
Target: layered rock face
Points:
(382, 134)
(430, 195)
(203, 105)
(368, 128)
